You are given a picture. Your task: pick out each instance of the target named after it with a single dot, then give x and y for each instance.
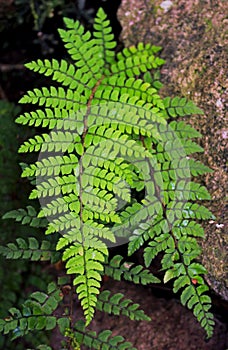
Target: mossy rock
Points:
(193, 38)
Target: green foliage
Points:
(27, 217)
(36, 313)
(10, 192)
(119, 269)
(30, 249)
(115, 167)
(117, 305)
(95, 341)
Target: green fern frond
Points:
(193, 288)
(83, 50)
(54, 142)
(183, 130)
(135, 60)
(118, 269)
(116, 304)
(85, 260)
(179, 107)
(62, 72)
(188, 228)
(183, 190)
(26, 216)
(141, 48)
(69, 100)
(30, 249)
(156, 246)
(145, 232)
(104, 339)
(104, 38)
(113, 137)
(52, 166)
(36, 313)
(197, 168)
(132, 87)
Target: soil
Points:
(172, 327)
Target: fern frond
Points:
(145, 232)
(52, 166)
(132, 87)
(118, 269)
(188, 211)
(82, 48)
(183, 130)
(178, 168)
(54, 142)
(141, 48)
(180, 107)
(187, 227)
(104, 38)
(188, 278)
(130, 114)
(135, 65)
(184, 190)
(86, 262)
(26, 216)
(30, 249)
(116, 304)
(96, 341)
(64, 223)
(105, 179)
(176, 149)
(115, 130)
(159, 244)
(63, 72)
(136, 60)
(60, 119)
(197, 168)
(55, 98)
(36, 313)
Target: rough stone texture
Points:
(192, 34)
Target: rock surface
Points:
(193, 36)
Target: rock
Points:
(192, 34)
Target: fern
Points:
(36, 313)
(26, 217)
(119, 269)
(95, 341)
(115, 304)
(111, 134)
(30, 249)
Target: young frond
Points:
(83, 50)
(104, 38)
